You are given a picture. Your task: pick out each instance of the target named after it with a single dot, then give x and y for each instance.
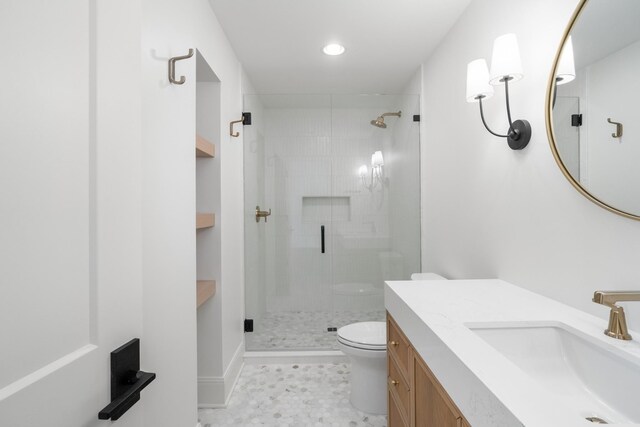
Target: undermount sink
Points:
(586, 375)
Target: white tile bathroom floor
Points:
(291, 396)
(303, 330)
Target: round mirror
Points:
(593, 104)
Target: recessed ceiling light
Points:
(333, 49)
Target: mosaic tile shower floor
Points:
(291, 396)
(303, 330)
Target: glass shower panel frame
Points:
(288, 281)
(568, 135)
(383, 206)
(302, 159)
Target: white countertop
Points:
(488, 388)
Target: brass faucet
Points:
(617, 320)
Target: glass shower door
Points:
(376, 215)
(567, 134)
(288, 170)
(335, 234)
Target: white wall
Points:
(129, 265)
(493, 212)
(169, 28)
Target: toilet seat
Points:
(365, 345)
(364, 335)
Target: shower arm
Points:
(398, 114)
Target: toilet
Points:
(365, 345)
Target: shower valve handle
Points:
(262, 214)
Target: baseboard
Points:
(215, 392)
(273, 357)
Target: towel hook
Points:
(231, 132)
(172, 68)
(618, 132)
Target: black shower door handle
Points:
(322, 238)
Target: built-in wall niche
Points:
(208, 157)
(319, 208)
(208, 133)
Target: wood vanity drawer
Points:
(399, 387)
(395, 418)
(433, 406)
(398, 346)
(415, 396)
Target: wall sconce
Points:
(377, 172)
(566, 71)
(505, 67)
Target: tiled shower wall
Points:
(311, 158)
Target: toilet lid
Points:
(365, 335)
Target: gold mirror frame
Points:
(551, 87)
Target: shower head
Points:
(379, 122)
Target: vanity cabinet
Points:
(415, 397)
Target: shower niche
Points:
(332, 239)
(316, 208)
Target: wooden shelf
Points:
(205, 289)
(204, 148)
(205, 220)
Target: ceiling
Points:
(603, 28)
(279, 42)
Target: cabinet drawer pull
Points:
(393, 343)
(394, 382)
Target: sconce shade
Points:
(505, 60)
(376, 159)
(363, 171)
(478, 80)
(566, 71)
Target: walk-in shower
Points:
(332, 239)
